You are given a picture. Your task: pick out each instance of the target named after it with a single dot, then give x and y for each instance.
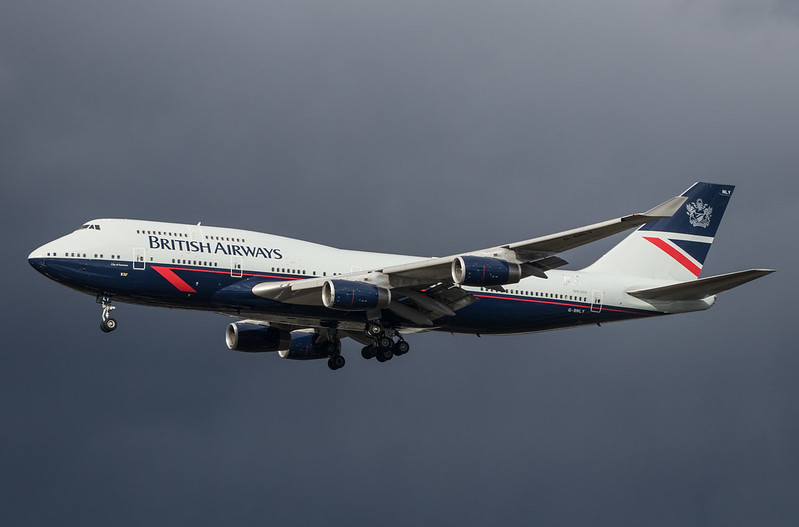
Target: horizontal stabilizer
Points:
(701, 288)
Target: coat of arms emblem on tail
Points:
(699, 213)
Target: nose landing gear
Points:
(108, 323)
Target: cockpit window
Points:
(91, 226)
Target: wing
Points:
(423, 291)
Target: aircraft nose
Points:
(37, 259)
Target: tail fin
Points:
(672, 248)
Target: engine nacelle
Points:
(253, 338)
(346, 295)
(480, 270)
(304, 348)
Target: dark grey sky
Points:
(412, 127)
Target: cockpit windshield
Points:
(90, 226)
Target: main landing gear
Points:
(383, 346)
(332, 349)
(336, 362)
(108, 323)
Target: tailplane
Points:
(701, 288)
(672, 248)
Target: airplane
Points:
(300, 299)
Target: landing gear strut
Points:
(374, 329)
(108, 323)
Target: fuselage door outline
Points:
(139, 256)
(235, 266)
(596, 301)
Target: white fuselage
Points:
(198, 253)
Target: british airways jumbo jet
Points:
(301, 299)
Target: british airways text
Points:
(194, 246)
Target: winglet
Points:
(667, 208)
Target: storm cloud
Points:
(408, 127)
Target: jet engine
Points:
(346, 295)
(254, 338)
(304, 348)
(479, 271)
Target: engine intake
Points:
(253, 338)
(479, 271)
(347, 295)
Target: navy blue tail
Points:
(701, 214)
(672, 248)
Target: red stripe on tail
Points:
(677, 255)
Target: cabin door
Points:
(235, 266)
(139, 255)
(596, 301)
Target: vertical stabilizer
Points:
(672, 248)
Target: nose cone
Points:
(37, 259)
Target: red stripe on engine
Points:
(174, 279)
(677, 255)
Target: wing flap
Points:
(540, 267)
(701, 288)
(423, 307)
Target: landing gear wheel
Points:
(385, 343)
(108, 325)
(368, 352)
(336, 362)
(332, 348)
(401, 348)
(374, 329)
(384, 354)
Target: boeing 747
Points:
(300, 299)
